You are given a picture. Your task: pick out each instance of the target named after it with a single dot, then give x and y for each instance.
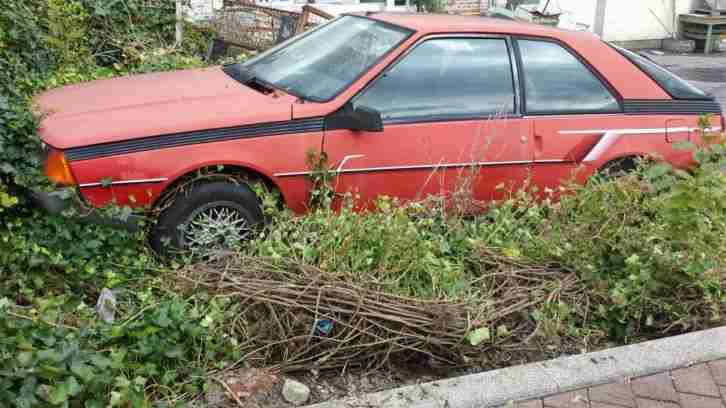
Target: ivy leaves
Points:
(99, 364)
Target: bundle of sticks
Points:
(290, 316)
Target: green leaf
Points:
(632, 260)
(72, 386)
(7, 200)
(100, 361)
(659, 170)
(513, 253)
(50, 372)
(93, 404)
(478, 336)
(83, 371)
(175, 352)
(122, 382)
(43, 391)
(116, 399)
(58, 394)
(7, 168)
(49, 355)
(25, 358)
(118, 359)
(162, 320)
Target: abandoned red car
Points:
(390, 98)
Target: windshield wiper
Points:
(238, 73)
(245, 76)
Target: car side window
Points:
(445, 78)
(673, 84)
(555, 81)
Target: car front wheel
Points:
(207, 218)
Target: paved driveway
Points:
(705, 72)
(699, 386)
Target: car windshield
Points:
(323, 62)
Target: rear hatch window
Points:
(676, 87)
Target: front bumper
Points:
(54, 204)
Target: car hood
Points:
(152, 104)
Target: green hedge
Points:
(647, 249)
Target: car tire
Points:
(618, 168)
(206, 218)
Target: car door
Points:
(448, 109)
(568, 103)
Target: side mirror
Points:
(360, 118)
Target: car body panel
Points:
(130, 139)
(138, 106)
(171, 164)
(414, 160)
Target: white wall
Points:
(629, 20)
(578, 11)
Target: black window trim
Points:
(707, 97)
(601, 78)
(516, 109)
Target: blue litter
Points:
(324, 327)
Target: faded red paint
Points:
(146, 105)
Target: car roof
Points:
(447, 23)
(625, 77)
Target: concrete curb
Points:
(520, 383)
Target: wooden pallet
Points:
(710, 12)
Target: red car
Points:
(391, 98)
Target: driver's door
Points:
(448, 112)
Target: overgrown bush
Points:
(58, 354)
(47, 44)
(645, 251)
(648, 245)
(53, 347)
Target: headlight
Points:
(57, 169)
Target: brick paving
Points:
(698, 386)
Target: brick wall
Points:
(467, 6)
(254, 26)
(249, 25)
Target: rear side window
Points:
(670, 82)
(446, 78)
(555, 81)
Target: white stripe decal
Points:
(425, 166)
(634, 131)
(125, 182)
(611, 136)
(602, 145)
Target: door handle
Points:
(538, 143)
(524, 139)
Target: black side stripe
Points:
(195, 137)
(670, 107)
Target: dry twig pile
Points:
(293, 317)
